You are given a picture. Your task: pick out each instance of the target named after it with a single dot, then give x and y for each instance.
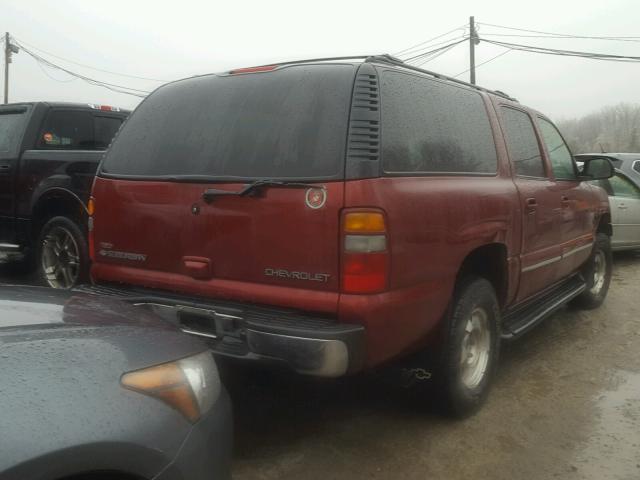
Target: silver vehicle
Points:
(624, 201)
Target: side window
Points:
(604, 184)
(67, 129)
(622, 187)
(12, 124)
(559, 154)
(522, 143)
(430, 126)
(636, 166)
(104, 130)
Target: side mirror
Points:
(597, 168)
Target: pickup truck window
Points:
(11, 127)
(67, 129)
(559, 154)
(522, 143)
(430, 126)
(104, 130)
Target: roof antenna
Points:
(601, 148)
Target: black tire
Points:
(596, 292)
(75, 268)
(458, 396)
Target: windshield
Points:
(11, 129)
(288, 123)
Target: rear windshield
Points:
(290, 122)
(77, 130)
(12, 122)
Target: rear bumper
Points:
(308, 344)
(338, 353)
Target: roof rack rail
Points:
(386, 58)
(307, 60)
(391, 60)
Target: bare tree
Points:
(611, 129)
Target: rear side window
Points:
(12, 123)
(67, 129)
(290, 122)
(522, 143)
(559, 154)
(636, 166)
(434, 127)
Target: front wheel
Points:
(471, 348)
(597, 273)
(63, 254)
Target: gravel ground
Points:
(566, 404)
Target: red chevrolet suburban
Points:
(335, 215)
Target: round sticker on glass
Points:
(316, 198)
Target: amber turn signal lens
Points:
(190, 385)
(91, 207)
(364, 222)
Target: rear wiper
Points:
(209, 194)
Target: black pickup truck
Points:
(49, 153)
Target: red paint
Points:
(265, 68)
(223, 249)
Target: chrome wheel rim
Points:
(60, 258)
(476, 346)
(599, 272)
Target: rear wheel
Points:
(62, 254)
(597, 273)
(470, 353)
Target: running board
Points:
(521, 319)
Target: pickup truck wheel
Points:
(470, 353)
(63, 254)
(597, 274)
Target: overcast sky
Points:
(171, 40)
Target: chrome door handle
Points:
(622, 206)
(4, 167)
(564, 201)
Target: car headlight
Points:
(190, 385)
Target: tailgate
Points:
(274, 238)
(224, 133)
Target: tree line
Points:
(611, 129)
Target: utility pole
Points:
(8, 50)
(473, 41)
(7, 54)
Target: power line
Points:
(88, 66)
(575, 37)
(422, 49)
(565, 35)
(433, 57)
(42, 68)
(566, 53)
(485, 62)
(111, 86)
(425, 54)
(461, 27)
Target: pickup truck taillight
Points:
(365, 257)
(91, 207)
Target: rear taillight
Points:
(91, 208)
(365, 255)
